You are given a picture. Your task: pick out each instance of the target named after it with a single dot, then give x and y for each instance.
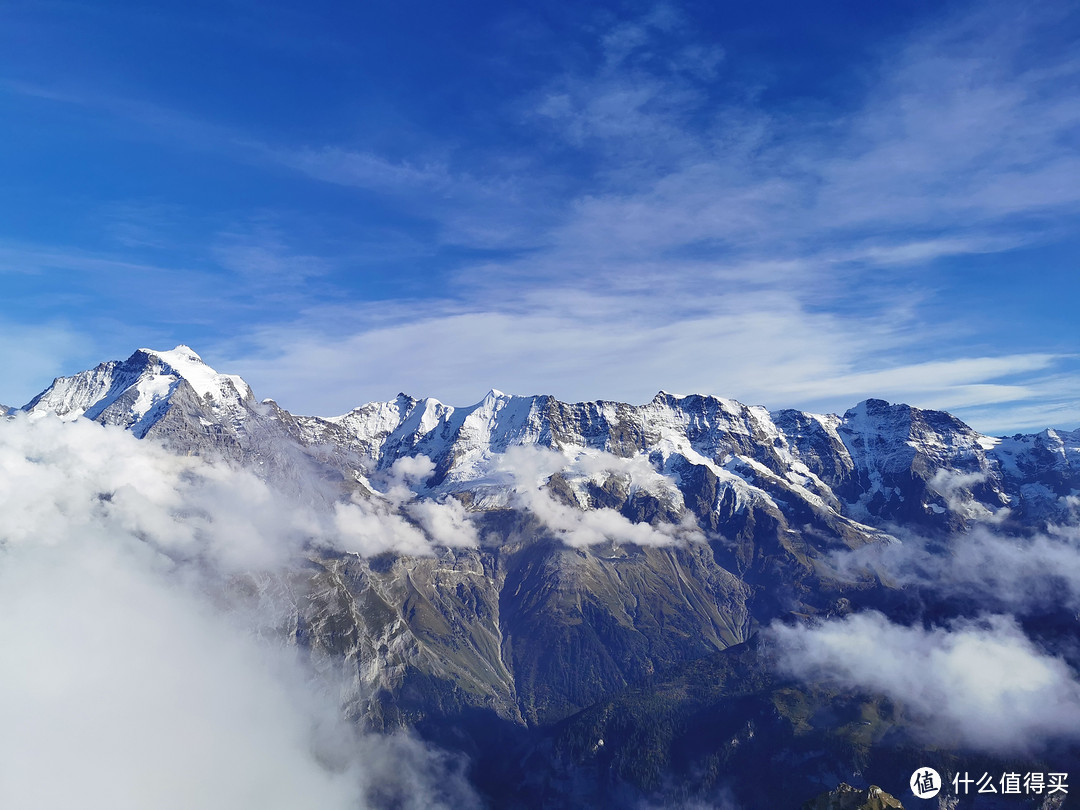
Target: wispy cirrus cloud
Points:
(962, 126)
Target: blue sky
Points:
(792, 204)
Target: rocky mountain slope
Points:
(603, 543)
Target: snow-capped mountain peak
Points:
(186, 363)
(137, 392)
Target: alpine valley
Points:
(592, 604)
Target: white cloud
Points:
(585, 528)
(955, 488)
(103, 479)
(529, 469)
(1017, 574)
(127, 684)
(365, 169)
(412, 469)
(369, 526)
(262, 260)
(365, 529)
(445, 521)
(121, 690)
(981, 684)
(65, 478)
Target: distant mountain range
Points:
(853, 473)
(612, 567)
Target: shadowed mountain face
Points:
(613, 547)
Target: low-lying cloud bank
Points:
(1001, 573)
(127, 684)
(979, 681)
(981, 684)
(63, 479)
(124, 686)
(67, 484)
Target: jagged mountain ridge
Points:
(875, 464)
(527, 631)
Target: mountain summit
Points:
(138, 392)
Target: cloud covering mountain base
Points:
(981, 685)
(203, 613)
(999, 677)
(126, 684)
